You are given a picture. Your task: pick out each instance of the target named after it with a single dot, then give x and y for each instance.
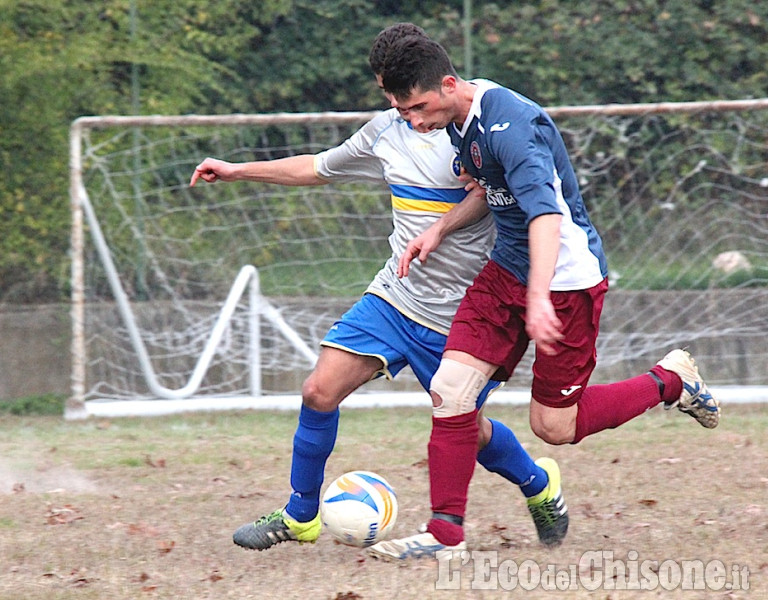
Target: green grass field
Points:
(145, 508)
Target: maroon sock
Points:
(673, 385)
(446, 533)
(452, 452)
(608, 406)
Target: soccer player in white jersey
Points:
(546, 279)
(397, 322)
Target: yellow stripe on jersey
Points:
(411, 205)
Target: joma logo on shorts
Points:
(570, 390)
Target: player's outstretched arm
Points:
(292, 170)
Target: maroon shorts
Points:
(490, 325)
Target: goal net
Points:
(225, 290)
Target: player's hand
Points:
(470, 183)
(542, 324)
(213, 169)
(421, 247)
(472, 187)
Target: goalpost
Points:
(222, 292)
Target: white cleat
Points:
(421, 545)
(695, 399)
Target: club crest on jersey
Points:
(456, 165)
(474, 152)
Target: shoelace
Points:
(544, 513)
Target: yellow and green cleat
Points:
(275, 528)
(548, 508)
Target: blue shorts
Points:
(373, 327)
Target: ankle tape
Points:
(455, 519)
(659, 383)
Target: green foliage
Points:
(46, 404)
(65, 58)
(62, 59)
(562, 52)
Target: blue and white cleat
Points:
(421, 545)
(695, 399)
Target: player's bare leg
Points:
(553, 425)
(674, 381)
(485, 429)
(336, 375)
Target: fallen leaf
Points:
(50, 575)
(588, 510)
(244, 495)
(79, 578)
(158, 464)
(143, 529)
(62, 515)
(245, 465)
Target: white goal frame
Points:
(247, 281)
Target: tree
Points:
(62, 59)
(567, 52)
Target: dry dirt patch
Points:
(146, 508)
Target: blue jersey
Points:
(513, 148)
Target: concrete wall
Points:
(34, 350)
(35, 341)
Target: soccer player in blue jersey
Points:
(397, 322)
(545, 282)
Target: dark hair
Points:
(386, 38)
(415, 63)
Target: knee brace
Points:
(458, 385)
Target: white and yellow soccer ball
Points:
(359, 508)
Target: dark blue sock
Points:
(312, 445)
(504, 455)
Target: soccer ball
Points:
(359, 508)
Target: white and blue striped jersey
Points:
(514, 149)
(422, 173)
